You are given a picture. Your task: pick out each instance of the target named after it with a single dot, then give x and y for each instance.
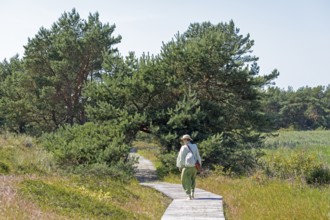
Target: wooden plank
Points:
(206, 205)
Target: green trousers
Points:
(188, 179)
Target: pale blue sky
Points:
(290, 35)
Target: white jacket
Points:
(186, 158)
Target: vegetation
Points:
(84, 105)
(304, 109)
(214, 95)
(286, 193)
(92, 148)
(259, 197)
(85, 197)
(204, 82)
(32, 188)
(19, 154)
(304, 154)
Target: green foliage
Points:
(319, 176)
(290, 165)
(204, 82)
(4, 167)
(168, 164)
(304, 109)
(235, 152)
(59, 62)
(16, 110)
(90, 147)
(216, 62)
(70, 202)
(298, 155)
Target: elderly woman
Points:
(186, 160)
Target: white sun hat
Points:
(186, 137)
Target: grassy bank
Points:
(32, 188)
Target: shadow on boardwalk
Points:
(206, 205)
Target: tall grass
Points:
(317, 142)
(19, 154)
(262, 198)
(259, 197)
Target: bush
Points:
(168, 164)
(89, 146)
(236, 153)
(297, 164)
(319, 176)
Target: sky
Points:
(292, 36)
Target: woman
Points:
(186, 160)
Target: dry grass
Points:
(12, 206)
(262, 198)
(259, 197)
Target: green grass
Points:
(262, 198)
(306, 153)
(149, 151)
(77, 197)
(69, 202)
(89, 198)
(20, 155)
(316, 142)
(31, 188)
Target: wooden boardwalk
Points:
(205, 206)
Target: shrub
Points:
(168, 164)
(319, 176)
(296, 164)
(236, 153)
(89, 146)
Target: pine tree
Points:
(59, 62)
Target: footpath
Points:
(205, 206)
